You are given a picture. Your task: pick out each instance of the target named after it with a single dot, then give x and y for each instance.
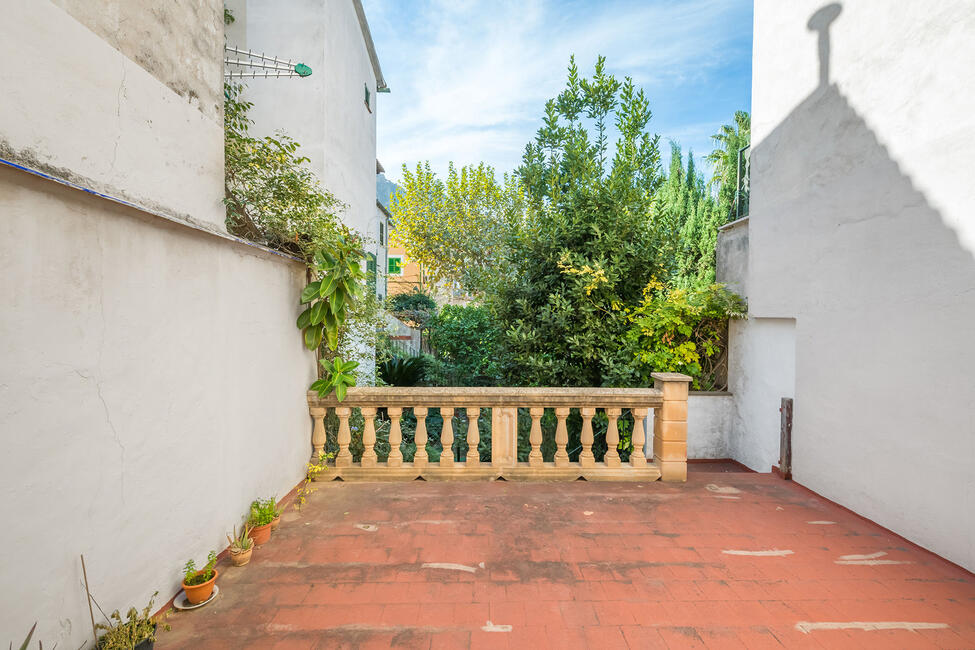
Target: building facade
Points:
(860, 269)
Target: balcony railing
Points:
(500, 440)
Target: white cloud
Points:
(469, 78)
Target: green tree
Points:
(457, 230)
(465, 340)
(589, 243)
(729, 140)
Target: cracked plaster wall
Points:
(152, 381)
(93, 93)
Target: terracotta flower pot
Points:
(276, 522)
(240, 557)
(197, 594)
(260, 534)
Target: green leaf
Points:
(319, 384)
(340, 390)
(318, 312)
(349, 365)
(310, 292)
(313, 337)
(331, 336)
(328, 286)
(304, 320)
(337, 302)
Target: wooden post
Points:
(670, 426)
(317, 432)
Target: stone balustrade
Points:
(667, 400)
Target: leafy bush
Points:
(465, 340)
(684, 330)
(403, 371)
(415, 308)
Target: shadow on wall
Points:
(883, 290)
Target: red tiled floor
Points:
(577, 565)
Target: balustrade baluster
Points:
(612, 458)
(535, 437)
(318, 432)
(369, 437)
(561, 438)
(344, 457)
(395, 458)
(473, 437)
(637, 457)
(586, 459)
(420, 458)
(447, 437)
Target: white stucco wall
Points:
(152, 385)
(152, 380)
(76, 107)
(861, 229)
(325, 112)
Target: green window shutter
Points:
(394, 266)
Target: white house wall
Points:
(152, 380)
(325, 112)
(861, 230)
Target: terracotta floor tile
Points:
(645, 570)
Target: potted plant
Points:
(263, 512)
(198, 584)
(137, 632)
(277, 514)
(241, 545)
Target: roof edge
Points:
(370, 46)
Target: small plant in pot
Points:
(263, 513)
(198, 584)
(137, 632)
(241, 545)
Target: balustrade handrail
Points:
(491, 396)
(667, 399)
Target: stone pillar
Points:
(670, 426)
(317, 433)
(504, 437)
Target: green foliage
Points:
(263, 512)
(589, 243)
(125, 635)
(415, 308)
(192, 576)
(241, 540)
(416, 300)
(338, 377)
(403, 371)
(729, 140)
(271, 196)
(683, 330)
(466, 340)
(689, 212)
(458, 229)
(30, 635)
(340, 277)
(274, 199)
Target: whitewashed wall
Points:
(325, 112)
(151, 377)
(861, 229)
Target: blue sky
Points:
(470, 78)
